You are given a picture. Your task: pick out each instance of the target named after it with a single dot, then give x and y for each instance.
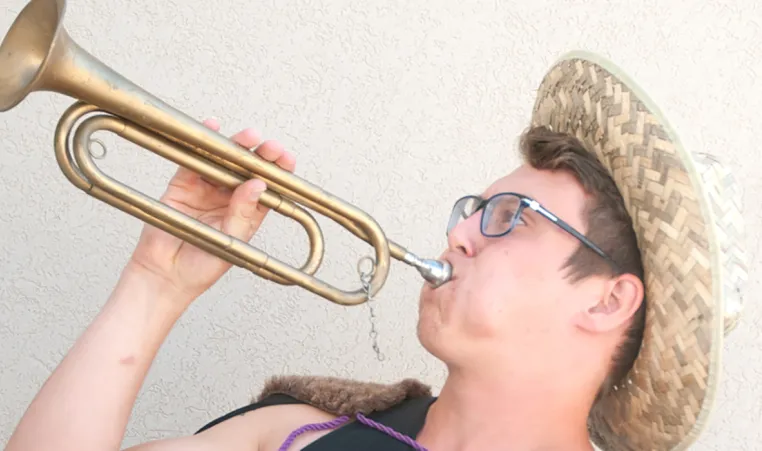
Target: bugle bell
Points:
(37, 54)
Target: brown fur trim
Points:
(344, 396)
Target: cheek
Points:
(513, 289)
(531, 267)
(483, 303)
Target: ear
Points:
(617, 302)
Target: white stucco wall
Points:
(384, 98)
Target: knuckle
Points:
(248, 212)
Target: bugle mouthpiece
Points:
(435, 272)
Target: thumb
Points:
(243, 217)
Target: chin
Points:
(438, 344)
(427, 337)
(434, 335)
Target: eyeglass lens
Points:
(499, 215)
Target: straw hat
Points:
(686, 210)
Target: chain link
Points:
(365, 278)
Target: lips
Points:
(455, 261)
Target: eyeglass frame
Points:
(532, 204)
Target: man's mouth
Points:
(454, 261)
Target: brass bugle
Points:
(37, 54)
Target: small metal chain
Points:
(365, 277)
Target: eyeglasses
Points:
(502, 212)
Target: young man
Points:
(587, 303)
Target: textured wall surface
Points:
(395, 106)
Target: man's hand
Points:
(86, 403)
(183, 267)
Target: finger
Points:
(270, 150)
(274, 151)
(287, 161)
(186, 177)
(243, 217)
(189, 187)
(247, 138)
(212, 124)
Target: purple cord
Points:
(389, 431)
(341, 420)
(312, 427)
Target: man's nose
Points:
(466, 237)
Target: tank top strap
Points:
(271, 400)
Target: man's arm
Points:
(242, 433)
(86, 403)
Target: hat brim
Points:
(667, 399)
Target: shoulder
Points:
(267, 413)
(260, 426)
(287, 403)
(265, 426)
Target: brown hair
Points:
(609, 226)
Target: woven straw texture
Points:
(725, 200)
(669, 393)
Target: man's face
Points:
(509, 298)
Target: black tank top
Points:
(406, 418)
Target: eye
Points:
(507, 214)
(508, 211)
(511, 217)
(502, 214)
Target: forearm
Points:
(86, 403)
